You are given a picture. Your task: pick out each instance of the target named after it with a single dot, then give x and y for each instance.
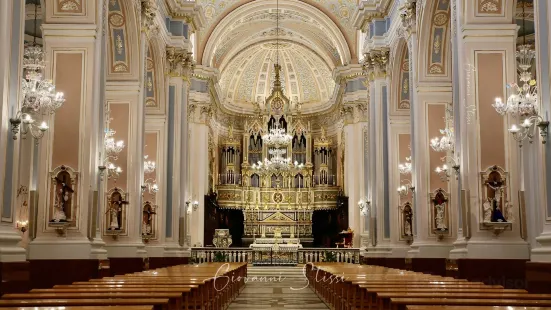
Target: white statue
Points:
(440, 209)
(407, 229)
(113, 216)
(487, 207)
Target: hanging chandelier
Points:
(522, 100)
(38, 96)
(405, 168)
(277, 137)
(444, 143)
(112, 150)
(277, 163)
(148, 165)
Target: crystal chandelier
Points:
(405, 188)
(38, 96)
(364, 205)
(405, 168)
(522, 101)
(444, 143)
(148, 165)
(277, 137)
(112, 151)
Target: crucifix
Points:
(63, 197)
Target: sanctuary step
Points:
(288, 272)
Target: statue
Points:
(408, 218)
(440, 209)
(497, 187)
(147, 219)
(115, 211)
(63, 197)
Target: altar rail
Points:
(305, 255)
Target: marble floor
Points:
(287, 290)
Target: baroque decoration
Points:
(119, 53)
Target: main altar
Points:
(277, 174)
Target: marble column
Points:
(12, 15)
(199, 116)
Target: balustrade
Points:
(305, 255)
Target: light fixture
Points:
(192, 206)
(444, 143)
(112, 150)
(150, 186)
(148, 165)
(405, 187)
(364, 205)
(444, 171)
(39, 98)
(522, 100)
(405, 168)
(277, 137)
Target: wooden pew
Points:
(383, 299)
(175, 299)
(467, 304)
(157, 303)
(82, 308)
(473, 308)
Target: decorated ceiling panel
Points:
(248, 78)
(404, 87)
(440, 24)
(119, 58)
(242, 45)
(340, 11)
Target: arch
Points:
(401, 83)
(122, 41)
(435, 42)
(229, 22)
(155, 81)
(348, 38)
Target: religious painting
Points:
(439, 211)
(148, 220)
(63, 195)
(115, 212)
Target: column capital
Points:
(199, 112)
(179, 63)
(375, 64)
(149, 10)
(409, 12)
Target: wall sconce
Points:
(22, 225)
(444, 171)
(364, 205)
(150, 186)
(404, 188)
(192, 206)
(527, 130)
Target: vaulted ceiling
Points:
(242, 45)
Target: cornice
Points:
(189, 11)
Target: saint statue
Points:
(497, 213)
(63, 197)
(115, 211)
(440, 209)
(487, 207)
(147, 220)
(408, 217)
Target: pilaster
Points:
(68, 150)
(487, 63)
(11, 34)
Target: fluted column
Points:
(11, 23)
